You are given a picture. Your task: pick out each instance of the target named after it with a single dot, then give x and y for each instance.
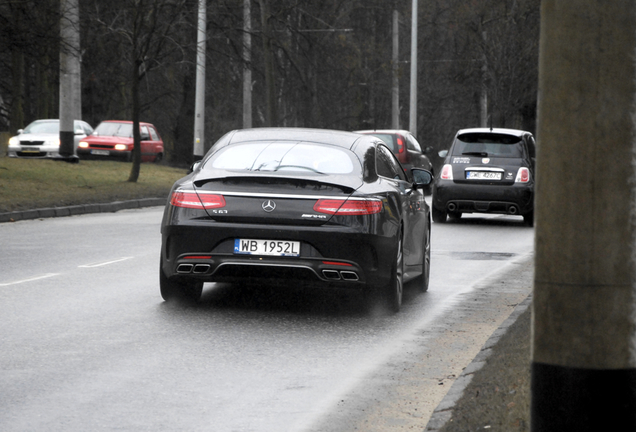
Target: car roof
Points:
(320, 136)
(515, 132)
(383, 131)
(124, 121)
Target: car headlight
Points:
(83, 144)
(121, 147)
(14, 141)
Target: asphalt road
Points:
(88, 344)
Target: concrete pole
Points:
(199, 101)
(584, 304)
(70, 107)
(395, 91)
(413, 102)
(247, 67)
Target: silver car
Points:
(41, 139)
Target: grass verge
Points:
(29, 183)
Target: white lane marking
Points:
(105, 263)
(48, 275)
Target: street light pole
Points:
(413, 101)
(70, 107)
(199, 103)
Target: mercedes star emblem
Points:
(269, 206)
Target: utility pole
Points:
(395, 92)
(70, 105)
(247, 64)
(584, 302)
(413, 102)
(199, 102)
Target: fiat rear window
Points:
(488, 145)
(284, 157)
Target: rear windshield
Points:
(488, 145)
(388, 140)
(114, 129)
(284, 157)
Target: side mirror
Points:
(421, 177)
(20, 131)
(194, 166)
(443, 153)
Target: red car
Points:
(114, 139)
(404, 146)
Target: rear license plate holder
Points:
(266, 247)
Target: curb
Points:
(444, 410)
(80, 209)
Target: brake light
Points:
(195, 201)
(447, 172)
(400, 144)
(353, 207)
(523, 175)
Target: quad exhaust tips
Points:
(345, 275)
(193, 268)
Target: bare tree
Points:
(144, 33)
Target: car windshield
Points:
(43, 127)
(283, 156)
(488, 145)
(114, 129)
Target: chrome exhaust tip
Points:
(331, 274)
(184, 268)
(349, 276)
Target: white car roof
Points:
(515, 132)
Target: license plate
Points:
(266, 247)
(30, 150)
(100, 152)
(483, 175)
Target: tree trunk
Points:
(136, 156)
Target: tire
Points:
(158, 158)
(439, 216)
(183, 289)
(394, 290)
(422, 280)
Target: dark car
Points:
(305, 206)
(486, 171)
(113, 139)
(404, 146)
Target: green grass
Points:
(29, 184)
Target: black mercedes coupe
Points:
(303, 206)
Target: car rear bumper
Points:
(329, 255)
(478, 198)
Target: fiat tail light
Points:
(197, 201)
(447, 172)
(523, 175)
(344, 207)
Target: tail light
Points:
(447, 172)
(400, 144)
(353, 207)
(523, 175)
(197, 201)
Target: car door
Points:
(410, 204)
